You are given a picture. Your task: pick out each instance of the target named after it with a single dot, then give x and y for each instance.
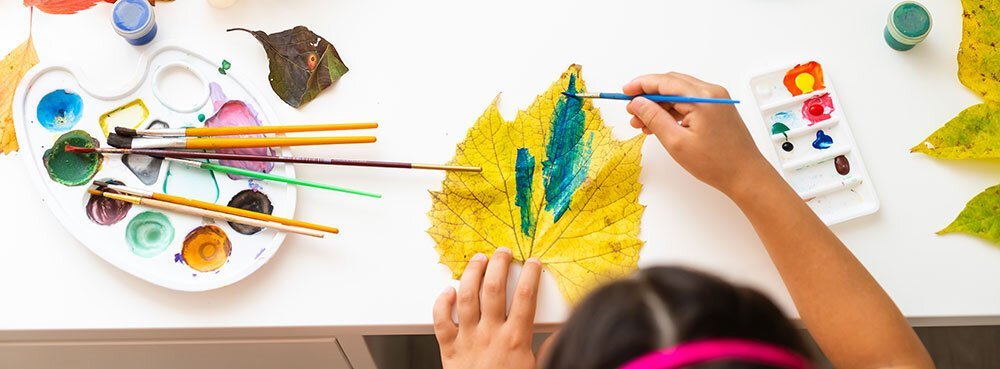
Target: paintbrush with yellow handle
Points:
(211, 206)
(212, 143)
(240, 130)
(178, 208)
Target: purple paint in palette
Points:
(813, 143)
(236, 113)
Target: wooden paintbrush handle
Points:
(169, 206)
(229, 131)
(235, 143)
(241, 212)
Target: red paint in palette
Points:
(817, 108)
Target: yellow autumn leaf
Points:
(12, 69)
(980, 216)
(973, 134)
(978, 58)
(556, 185)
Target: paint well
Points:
(130, 115)
(68, 168)
(59, 110)
(149, 234)
(822, 141)
(817, 108)
(524, 174)
(236, 113)
(787, 146)
(145, 168)
(842, 165)
(252, 200)
(185, 181)
(804, 78)
(104, 211)
(206, 248)
(567, 155)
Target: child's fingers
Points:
(656, 119)
(522, 309)
(468, 291)
(444, 328)
(494, 296)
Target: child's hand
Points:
(709, 140)
(486, 336)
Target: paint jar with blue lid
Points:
(909, 23)
(134, 20)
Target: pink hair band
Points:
(698, 352)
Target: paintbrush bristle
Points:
(80, 150)
(569, 94)
(127, 132)
(99, 183)
(119, 141)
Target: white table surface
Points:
(426, 69)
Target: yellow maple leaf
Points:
(12, 69)
(555, 186)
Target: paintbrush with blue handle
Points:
(654, 98)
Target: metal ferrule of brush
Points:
(159, 143)
(164, 132)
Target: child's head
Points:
(663, 307)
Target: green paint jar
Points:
(908, 24)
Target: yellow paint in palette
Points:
(805, 82)
(130, 115)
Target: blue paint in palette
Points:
(524, 172)
(59, 110)
(567, 154)
(823, 141)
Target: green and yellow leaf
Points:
(555, 186)
(978, 57)
(973, 134)
(981, 216)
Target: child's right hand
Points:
(709, 140)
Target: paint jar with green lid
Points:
(909, 23)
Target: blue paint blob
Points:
(134, 20)
(59, 110)
(567, 154)
(524, 171)
(822, 141)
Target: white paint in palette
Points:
(811, 172)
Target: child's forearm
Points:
(854, 321)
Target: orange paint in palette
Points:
(206, 248)
(813, 142)
(804, 78)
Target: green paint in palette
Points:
(149, 234)
(68, 168)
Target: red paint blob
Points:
(817, 109)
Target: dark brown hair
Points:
(617, 323)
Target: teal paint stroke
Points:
(567, 155)
(524, 172)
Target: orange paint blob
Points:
(804, 78)
(206, 248)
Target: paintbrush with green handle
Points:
(266, 176)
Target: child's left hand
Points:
(486, 337)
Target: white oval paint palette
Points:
(173, 87)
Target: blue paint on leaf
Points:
(524, 172)
(567, 154)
